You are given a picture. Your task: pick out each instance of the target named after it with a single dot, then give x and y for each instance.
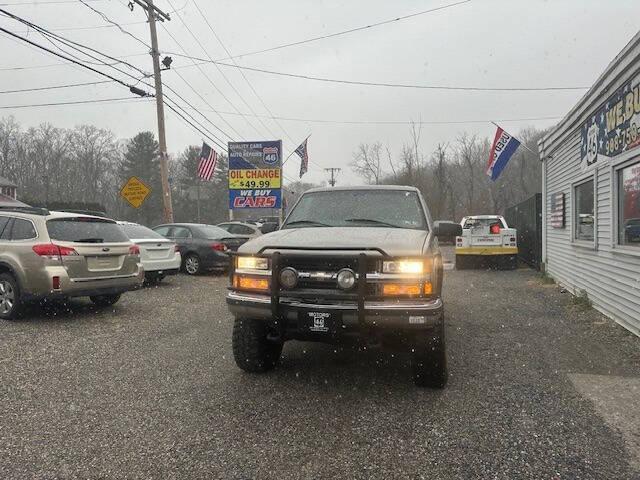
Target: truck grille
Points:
(317, 274)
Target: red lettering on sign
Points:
(255, 202)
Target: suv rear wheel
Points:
(430, 360)
(105, 300)
(252, 350)
(10, 305)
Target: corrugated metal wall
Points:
(610, 278)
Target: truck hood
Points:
(392, 241)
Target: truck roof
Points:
(363, 187)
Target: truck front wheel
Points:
(430, 360)
(252, 350)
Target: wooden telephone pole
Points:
(333, 172)
(154, 12)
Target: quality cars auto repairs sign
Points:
(255, 174)
(614, 128)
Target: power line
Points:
(45, 2)
(41, 30)
(220, 71)
(76, 102)
(345, 32)
(174, 110)
(77, 47)
(397, 122)
(54, 87)
(184, 110)
(115, 24)
(61, 64)
(243, 75)
(382, 84)
(48, 50)
(198, 93)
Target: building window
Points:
(584, 219)
(629, 205)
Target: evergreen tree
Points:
(142, 159)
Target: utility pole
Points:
(153, 12)
(333, 171)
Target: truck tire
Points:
(252, 350)
(430, 360)
(10, 304)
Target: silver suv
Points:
(49, 255)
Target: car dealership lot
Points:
(149, 389)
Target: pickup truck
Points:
(350, 265)
(486, 239)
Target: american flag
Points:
(207, 163)
(301, 151)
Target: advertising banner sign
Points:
(255, 174)
(614, 128)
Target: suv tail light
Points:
(176, 249)
(52, 250)
(219, 247)
(134, 250)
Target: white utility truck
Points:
(486, 239)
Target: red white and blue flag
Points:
(207, 163)
(503, 148)
(301, 151)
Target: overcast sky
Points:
(482, 43)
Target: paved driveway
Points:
(538, 389)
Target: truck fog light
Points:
(346, 279)
(288, 277)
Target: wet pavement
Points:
(539, 388)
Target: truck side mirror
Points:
(269, 227)
(447, 229)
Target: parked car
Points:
(632, 230)
(486, 239)
(241, 228)
(349, 264)
(159, 256)
(202, 247)
(53, 255)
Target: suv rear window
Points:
(85, 230)
(22, 230)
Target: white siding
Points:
(610, 277)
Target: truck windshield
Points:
(358, 208)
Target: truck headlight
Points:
(404, 266)
(252, 263)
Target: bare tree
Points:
(367, 162)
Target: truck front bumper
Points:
(420, 314)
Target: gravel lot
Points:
(148, 389)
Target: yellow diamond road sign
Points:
(135, 192)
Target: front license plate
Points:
(318, 321)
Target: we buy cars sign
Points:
(255, 174)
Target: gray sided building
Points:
(591, 193)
